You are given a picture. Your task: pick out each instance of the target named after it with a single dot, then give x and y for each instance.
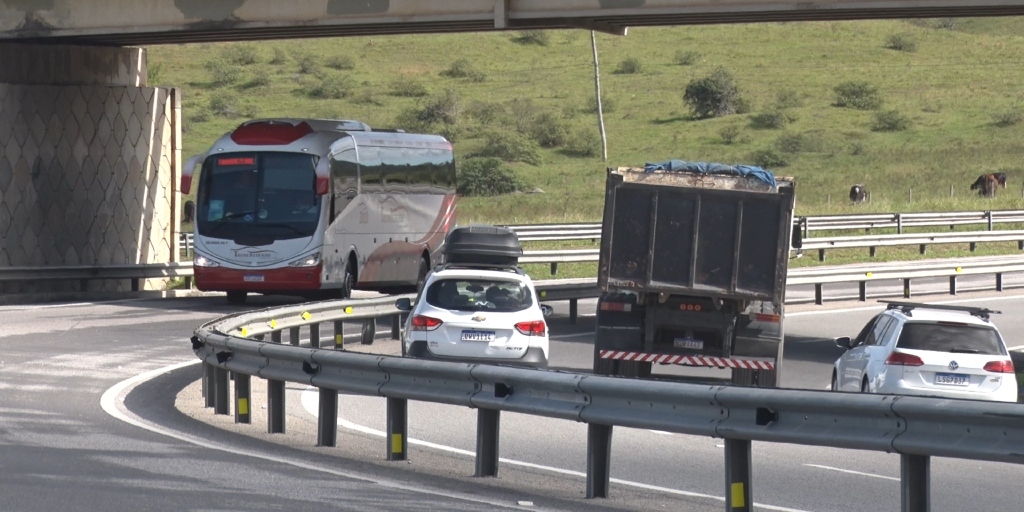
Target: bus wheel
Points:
(349, 282)
(237, 297)
(422, 276)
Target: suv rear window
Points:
(479, 295)
(955, 338)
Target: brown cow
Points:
(986, 185)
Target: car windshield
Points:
(950, 337)
(479, 295)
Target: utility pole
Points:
(597, 88)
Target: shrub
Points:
(768, 158)
(1011, 117)
(510, 146)
(857, 148)
(522, 113)
(279, 56)
(901, 43)
(549, 130)
(443, 109)
(463, 68)
(608, 104)
(341, 62)
(891, 121)
(771, 119)
(199, 115)
(258, 80)
(222, 72)
(332, 86)
(538, 37)
(947, 23)
(486, 112)
(730, 134)
(583, 143)
(714, 95)
(407, 88)
(686, 57)
(630, 66)
(222, 104)
(791, 143)
(240, 54)
(309, 64)
(487, 177)
(857, 95)
(367, 96)
(788, 98)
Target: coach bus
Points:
(318, 207)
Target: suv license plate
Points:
(952, 379)
(689, 343)
(477, 335)
(253, 278)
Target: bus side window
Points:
(371, 177)
(345, 178)
(396, 168)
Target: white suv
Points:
(928, 350)
(473, 314)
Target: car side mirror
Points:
(403, 304)
(843, 342)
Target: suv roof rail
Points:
(907, 307)
(481, 266)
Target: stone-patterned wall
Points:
(87, 177)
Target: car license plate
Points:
(253, 278)
(952, 379)
(689, 343)
(477, 335)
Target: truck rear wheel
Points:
(753, 378)
(605, 366)
(634, 369)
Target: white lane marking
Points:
(1018, 347)
(660, 432)
(310, 401)
(869, 308)
(112, 403)
(852, 472)
(572, 335)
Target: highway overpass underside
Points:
(89, 159)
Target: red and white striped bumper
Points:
(750, 364)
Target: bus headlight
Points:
(203, 261)
(309, 261)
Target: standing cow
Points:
(986, 184)
(858, 193)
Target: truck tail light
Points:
(616, 306)
(425, 323)
(901, 359)
(999, 366)
(534, 328)
(761, 317)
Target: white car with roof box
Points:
(928, 350)
(479, 306)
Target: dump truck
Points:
(692, 270)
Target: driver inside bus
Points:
(239, 200)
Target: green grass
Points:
(952, 88)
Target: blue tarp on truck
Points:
(713, 168)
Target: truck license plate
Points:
(689, 343)
(952, 379)
(253, 278)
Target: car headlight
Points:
(309, 261)
(203, 261)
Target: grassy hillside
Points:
(957, 82)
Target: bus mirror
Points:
(798, 239)
(321, 185)
(186, 173)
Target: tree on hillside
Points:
(715, 95)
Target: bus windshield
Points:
(271, 196)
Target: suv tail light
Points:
(999, 366)
(425, 323)
(901, 359)
(534, 328)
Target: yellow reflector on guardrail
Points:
(305, 315)
(348, 310)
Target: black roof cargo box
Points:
(482, 245)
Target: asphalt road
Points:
(100, 410)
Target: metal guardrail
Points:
(916, 428)
(83, 273)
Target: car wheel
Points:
(237, 297)
(864, 386)
(835, 382)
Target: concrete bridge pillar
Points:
(89, 162)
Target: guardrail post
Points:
(293, 335)
(817, 293)
(396, 326)
(314, 335)
(275, 336)
(1020, 245)
(999, 281)
(807, 226)
(952, 285)
(974, 245)
(327, 423)
(554, 267)
(243, 397)
(369, 331)
(275, 407)
(923, 248)
(988, 216)
(135, 284)
(821, 254)
(220, 390)
(899, 224)
(871, 251)
(487, 427)
(863, 291)
(906, 288)
(210, 384)
(339, 335)
(599, 460)
(398, 428)
(573, 311)
(915, 473)
(737, 475)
